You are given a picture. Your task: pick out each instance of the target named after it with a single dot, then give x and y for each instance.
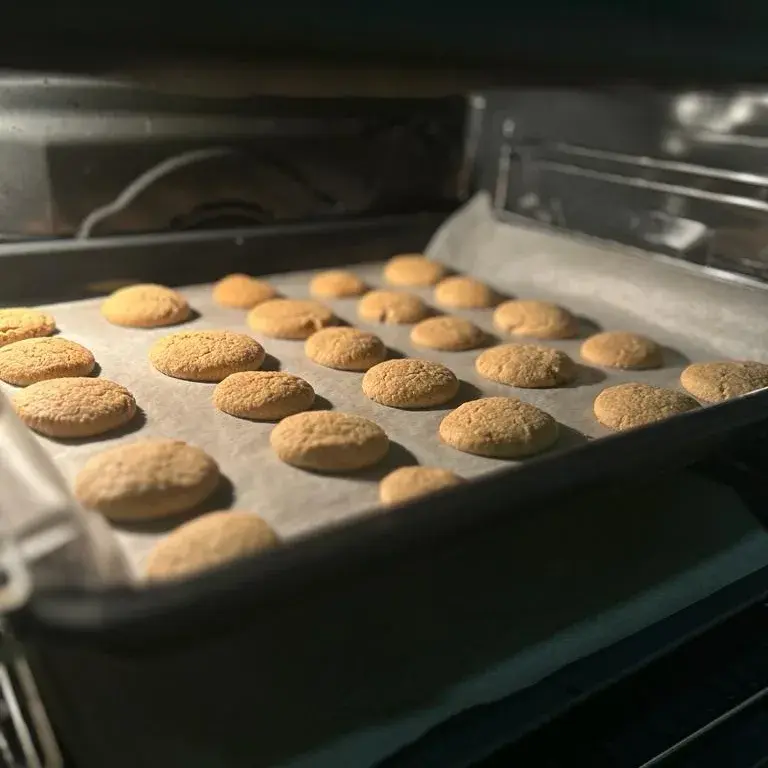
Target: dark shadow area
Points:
(672, 358)
(586, 376)
(587, 327)
(395, 354)
(134, 425)
(96, 372)
(466, 392)
(569, 438)
(271, 363)
(322, 404)
(193, 315)
(397, 456)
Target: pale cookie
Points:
(145, 306)
(263, 395)
(393, 307)
(499, 427)
(526, 365)
(17, 323)
(716, 382)
(619, 349)
(329, 441)
(410, 383)
(626, 406)
(146, 479)
(537, 319)
(409, 483)
(206, 542)
(336, 284)
(290, 318)
(413, 270)
(449, 334)
(31, 360)
(346, 349)
(242, 291)
(206, 355)
(74, 407)
(460, 292)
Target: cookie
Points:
(205, 355)
(290, 318)
(409, 483)
(537, 319)
(263, 395)
(449, 334)
(347, 349)
(146, 479)
(336, 284)
(206, 542)
(716, 382)
(74, 407)
(626, 406)
(410, 383)
(499, 427)
(619, 349)
(526, 365)
(329, 441)
(31, 360)
(145, 306)
(242, 291)
(460, 292)
(17, 323)
(413, 270)
(393, 307)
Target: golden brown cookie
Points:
(263, 395)
(626, 406)
(208, 541)
(146, 479)
(346, 349)
(145, 306)
(410, 383)
(242, 291)
(394, 307)
(619, 349)
(526, 365)
(329, 441)
(17, 323)
(413, 270)
(449, 334)
(74, 407)
(409, 483)
(290, 318)
(537, 319)
(461, 292)
(336, 284)
(205, 355)
(31, 360)
(717, 382)
(500, 427)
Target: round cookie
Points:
(290, 318)
(31, 360)
(537, 319)
(74, 407)
(146, 479)
(408, 483)
(346, 349)
(206, 542)
(461, 292)
(17, 323)
(329, 441)
(336, 284)
(449, 334)
(263, 395)
(626, 406)
(413, 270)
(393, 307)
(619, 349)
(205, 355)
(145, 306)
(242, 291)
(526, 365)
(410, 383)
(717, 382)
(499, 427)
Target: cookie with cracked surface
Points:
(462, 292)
(290, 318)
(392, 307)
(18, 323)
(408, 483)
(346, 349)
(530, 366)
(620, 349)
(329, 441)
(32, 360)
(717, 382)
(263, 395)
(630, 405)
(336, 284)
(413, 270)
(410, 383)
(499, 427)
(448, 334)
(146, 305)
(537, 319)
(240, 291)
